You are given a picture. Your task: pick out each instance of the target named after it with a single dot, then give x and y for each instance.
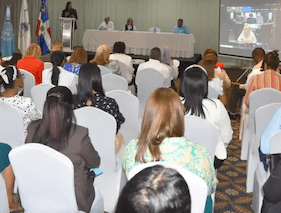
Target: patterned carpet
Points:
(231, 196)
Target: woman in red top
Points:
(31, 62)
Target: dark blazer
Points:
(83, 156)
(272, 191)
(71, 14)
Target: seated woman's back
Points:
(57, 131)
(77, 58)
(58, 76)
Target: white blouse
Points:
(217, 84)
(66, 79)
(26, 107)
(216, 114)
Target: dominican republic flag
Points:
(7, 34)
(24, 39)
(43, 31)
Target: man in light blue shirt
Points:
(180, 28)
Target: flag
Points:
(7, 34)
(43, 31)
(24, 39)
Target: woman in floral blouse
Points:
(162, 139)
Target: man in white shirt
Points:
(106, 24)
(119, 55)
(154, 63)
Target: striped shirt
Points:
(268, 79)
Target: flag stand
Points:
(67, 33)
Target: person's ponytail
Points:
(57, 58)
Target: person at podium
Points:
(247, 36)
(69, 12)
(106, 24)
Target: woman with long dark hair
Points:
(162, 139)
(11, 81)
(194, 90)
(57, 75)
(69, 12)
(57, 130)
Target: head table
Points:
(140, 43)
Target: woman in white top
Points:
(58, 76)
(194, 89)
(11, 81)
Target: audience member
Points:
(57, 130)
(8, 176)
(91, 93)
(194, 89)
(180, 28)
(11, 80)
(57, 75)
(56, 46)
(169, 62)
(119, 55)
(162, 139)
(130, 25)
(155, 189)
(106, 24)
(268, 79)
(77, 58)
(154, 63)
(102, 58)
(31, 62)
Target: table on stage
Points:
(140, 43)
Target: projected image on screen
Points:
(245, 25)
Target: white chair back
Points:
(275, 143)
(124, 69)
(114, 82)
(147, 81)
(129, 107)
(45, 179)
(198, 130)
(11, 125)
(68, 57)
(154, 30)
(102, 130)
(39, 93)
(197, 186)
(28, 83)
(104, 70)
(4, 206)
(212, 93)
(48, 65)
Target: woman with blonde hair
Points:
(31, 62)
(78, 57)
(162, 139)
(102, 58)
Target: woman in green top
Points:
(162, 139)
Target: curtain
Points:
(200, 16)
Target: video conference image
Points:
(245, 25)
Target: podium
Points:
(67, 25)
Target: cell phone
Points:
(96, 171)
(218, 69)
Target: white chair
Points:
(48, 65)
(68, 57)
(124, 69)
(154, 30)
(11, 125)
(147, 81)
(4, 205)
(261, 175)
(45, 179)
(212, 93)
(39, 93)
(129, 107)
(104, 70)
(263, 116)
(28, 82)
(203, 132)
(197, 186)
(114, 82)
(102, 130)
(257, 99)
